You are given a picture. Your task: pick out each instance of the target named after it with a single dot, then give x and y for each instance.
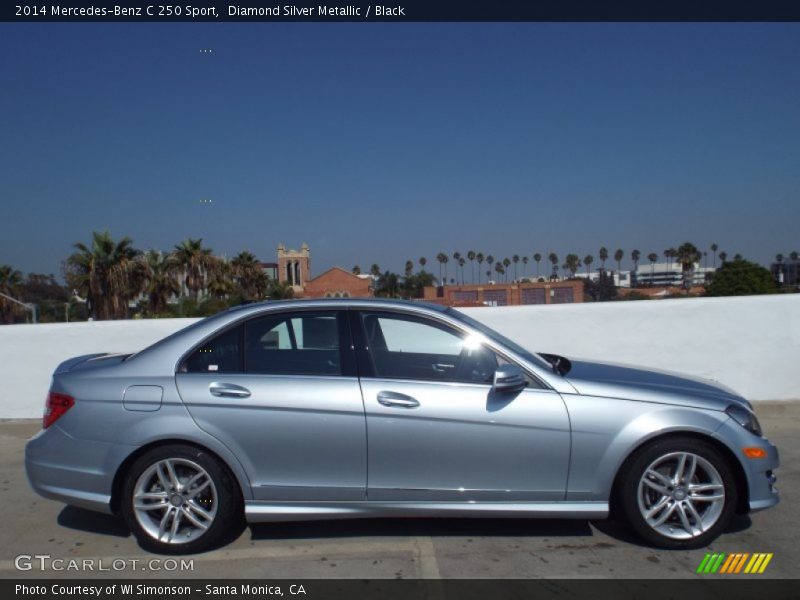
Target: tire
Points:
(196, 514)
(671, 511)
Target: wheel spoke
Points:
(163, 479)
(657, 507)
(712, 498)
(194, 492)
(655, 486)
(653, 474)
(665, 515)
(704, 487)
(679, 470)
(698, 521)
(192, 519)
(684, 518)
(176, 522)
(191, 504)
(162, 527)
(173, 477)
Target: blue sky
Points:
(382, 142)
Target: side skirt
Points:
(261, 511)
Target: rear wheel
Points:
(179, 500)
(678, 493)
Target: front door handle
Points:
(396, 400)
(228, 390)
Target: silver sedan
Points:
(363, 408)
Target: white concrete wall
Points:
(751, 344)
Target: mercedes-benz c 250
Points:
(323, 409)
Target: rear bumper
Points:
(76, 472)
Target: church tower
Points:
(294, 266)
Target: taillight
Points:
(57, 405)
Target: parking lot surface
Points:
(382, 548)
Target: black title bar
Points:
(405, 11)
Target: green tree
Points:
(356, 270)
(10, 282)
(375, 270)
(409, 268)
(723, 256)
(515, 260)
(106, 274)
(652, 257)
(480, 258)
(525, 260)
(442, 259)
(197, 262)
(249, 278)
(714, 249)
(618, 256)
(573, 263)
(740, 278)
(603, 289)
(553, 258)
(537, 259)
(506, 264)
(588, 260)
(422, 262)
(461, 262)
(687, 255)
(278, 290)
(603, 254)
(471, 257)
(160, 281)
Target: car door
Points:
(436, 429)
(281, 391)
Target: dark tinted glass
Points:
(221, 354)
(303, 343)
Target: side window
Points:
(221, 354)
(304, 343)
(403, 347)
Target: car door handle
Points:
(396, 400)
(228, 390)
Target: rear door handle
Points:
(228, 390)
(396, 400)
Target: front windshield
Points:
(491, 333)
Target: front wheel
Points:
(180, 500)
(678, 493)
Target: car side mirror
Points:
(509, 378)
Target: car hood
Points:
(630, 383)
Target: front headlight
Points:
(745, 418)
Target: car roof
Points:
(299, 302)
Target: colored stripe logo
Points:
(735, 563)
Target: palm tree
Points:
(461, 262)
(10, 280)
(442, 258)
(738, 256)
(196, 262)
(220, 281)
(106, 274)
(249, 276)
(456, 259)
(489, 261)
(779, 258)
(618, 256)
(723, 256)
(471, 257)
(553, 258)
(422, 262)
(160, 280)
(603, 254)
(714, 249)
(573, 263)
(652, 257)
(538, 258)
(356, 270)
(687, 255)
(506, 264)
(670, 253)
(525, 260)
(280, 290)
(515, 260)
(588, 260)
(635, 255)
(409, 268)
(793, 256)
(479, 258)
(375, 270)
(498, 266)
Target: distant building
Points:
(622, 279)
(506, 294)
(786, 273)
(338, 283)
(668, 274)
